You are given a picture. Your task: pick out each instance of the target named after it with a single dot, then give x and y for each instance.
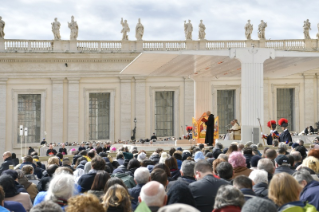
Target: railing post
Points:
(29, 45)
(308, 44)
(73, 45)
(99, 46)
(139, 45)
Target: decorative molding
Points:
(66, 60)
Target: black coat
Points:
(5, 165)
(269, 137)
(204, 192)
(285, 136)
(86, 181)
(44, 183)
(180, 193)
(51, 151)
(209, 139)
(261, 189)
(61, 150)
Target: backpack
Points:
(292, 208)
(127, 179)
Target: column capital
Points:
(252, 54)
(125, 78)
(309, 75)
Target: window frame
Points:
(225, 124)
(171, 115)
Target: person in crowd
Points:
(141, 177)
(141, 157)
(155, 157)
(310, 187)
(285, 136)
(204, 190)
(257, 204)
(86, 180)
(238, 162)
(224, 170)
(171, 151)
(81, 147)
(120, 158)
(132, 165)
(180, 193)
(260, 181)
(30, 150)
(275, 142)
(312, 163)
(87, 167)
(29, 186)
(171, 163)
(63, 150)
(44, 182)
(15, 160)
(153, 195)
(178, 207)
(46, 206)
(282, 148)
(248, 154)
(51, 151)
(112, 181)
(28, 160)
(297, 158)
(163, 157)
(117, 199)
(61, 188)
(291, 161)
(245, 185)
(43, 142)
(312, 152)
(90, 147)
(84, 203)
(254, 162)
(98, 185)
(271, 154)
(160, 176)
(12, 194)
(255, 150)
(199, 156)
(187, 174)
(107, 147)
(267, 165)
(67, 163)
(216, 163)
(228, 199)
(282, 164)
(153, 137)
(7, 161)
(240, 147)
(178, 156)
(232, 148)
(284, 191)
(300, 148)
(14, 175)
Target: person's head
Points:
(12, 173)
(147, 162)
(297, 156)
(216, 163)
(232, 148)
(50, 147)
(283, 146)
(46, 206)
(28, 159)
(223, 156)
(83, 152)
(300, 142)
(51, 169)
(59, 155)
(275, 142)
(91, 153)
(254, 161)
(98, 149)
(53, 160)
(84, 203)
(240, 147)
(27, 169)
(118, 197)
(178, 155)
(224, 170)
(267, 165)
(133, 164)
(312, 163)
(8, 185)
(164, 167)
(247, 151)
(208, 113)
(259, 176)
(283, 188)
(141, 175)
(303, 177)
(314, 153)
(187, 168)
(202, 168)
(237, 159)
(242, 181)
(61, 188)
(112, 181)
(171, 151)
(98, 163)
(271, 154)
(100, 180)
(228, 195)
(282, 160)
(66, 162)
(259, 204)
(159, 175)
(65, 170)
(199, 156)
(171, 163)
(201, 146)
(153, 194)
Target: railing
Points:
(139, 46)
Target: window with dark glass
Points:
(285, 106)
(164, 113)
(225, 109)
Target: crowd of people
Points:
(241, 177)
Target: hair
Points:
(78, 161)
(66, 161)
(59, 155)
(303, 175)
(242, 181)
(51, 169)
(271, 154)
(247, 151)
(291, 160)
(164, 167)
(240, 146)
(13, 155)
(53, 160)
(98, 163)
(2, 195)
(219, 146)
(188, 168)
(259, 176)
(98, 149)
(232, 148)
(201, 146)
(141, 175)
(61, 187)
(117, 196)
(203, 166)
(216, 162)
(159, 150)
(7, 153)
(133, 163)
(282, 151)
(237, 159)
(314, 153)
(46, 206)
(155, 200)
(83, 152)
(65, 170)
(113, 181)
(296, 156)
(8, 185)
(84, 203)
(147, 162)
(275, 142)
(159, 175)
(283, 188)
(119, 155)
(20, 173)
(27, 169)
(301, 142)
(91, 154)
(223, 156)
(178, 155)
(228, 195)
(100, 180)
(283, 145)
(171, 151)
(266, 164)
(28, 158)
(224, 170)
(171, 163)
(312, 163)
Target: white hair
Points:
(282, 145)
(61, 186)
(259, 176)
(156, 200)
(141, 175)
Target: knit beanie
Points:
(259, 204)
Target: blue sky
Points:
(162, 19)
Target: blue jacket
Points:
(14, 206)
(310, 194)
(134, 193)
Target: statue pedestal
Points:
(73, 46)
(190, 45)
(60, 45)
(126, 45)
(308, 44)
(262, 43)
(202, 44)
(252, 43)
(139, 45)
(2, 45)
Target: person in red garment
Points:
(209, 139)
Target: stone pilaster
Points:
(189, 102)
(73, 109)
(140, 107)
(126, 109)
(202, 96)
(57, 110)
(2, 47)
(3, 113)
(309, 104)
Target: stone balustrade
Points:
(10, 45)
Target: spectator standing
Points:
(7, 161)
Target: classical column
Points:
(73, 109)
(252, 104)
(3, 109)
(189, 103)
(202, 96)
(140, 110)
(309, 103)
(126, 110)
(57, 110)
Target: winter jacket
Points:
(175, 174)
(261, 189)
(5, 165)
(134, 193)
(228, 209)
(297, 206)
(248, 193)
(286, 169)
(183, 179)
(248, 158)
(98, 194)
(310, 193)
(241, 171)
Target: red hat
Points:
(283, 122)
(271, 123)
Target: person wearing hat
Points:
(282, 164)
(285, 135)
(273, 132)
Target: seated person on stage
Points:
(273, 132)
(153, 137)
(63, 150)
(43, 142)
(235, 127)
(51, 151)
(308, 131)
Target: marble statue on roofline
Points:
(318, 31)
(261, 29)
(248, 30)
(306, 28)
(125, 29)
(188, 29)
(139, 30)
(2, 24)
(201, 32)
(74, 29)
(56, 29)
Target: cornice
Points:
(66, 60)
